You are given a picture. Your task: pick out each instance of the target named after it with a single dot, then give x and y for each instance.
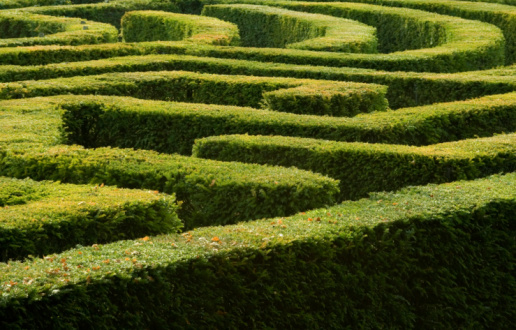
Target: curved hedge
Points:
(23, 29)
(434, 256)
(155, 25)
(262, 26)
(424, 257)
(39, 218)
(361, 167)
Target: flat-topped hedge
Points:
(173, 127)
(211, 192)
(39, 218)
(362, 168)
(24, 29)
(497, 14)
(462, 51)
(158, 25)
(434, 256)
(456, 44)
(112, 11)
(405, 88)
(280, 94)
(262, 26)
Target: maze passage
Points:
(247, 163)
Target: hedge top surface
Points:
(26, 29)
(26, 202)
(104, 263)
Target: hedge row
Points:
(405, 88)
(279, 94)
(262, 26)
(500, 15)
(212, 192)
(112, 11)
(6, 4)
(38, 218)
(465, 50)
(150, 25)
(23, 29)
(434, 256)
(173, 127)
(457, 44)
(362, 168)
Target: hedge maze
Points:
(257, 164)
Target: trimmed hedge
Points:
(435, 256)
(405, 88)
(38, 218)
(111, 11)
(497, 14)
(457, 44)
(262, 26)
(156, 25)
(302, 96)
(362, 168)
(462, 52)
(23, 29)
(173, 127)
(212, 192)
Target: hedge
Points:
(157, 25)
(434, 256)
(362, 168)
(262, 26)
(39, 218)
(23, 29)
(405, 88)
(173, 127)
(280, 94)
(456, 44)
(211, 192)
(464, 52)
(111, 12)
(502, 16)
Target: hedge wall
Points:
(405, 88)
(150, 25)
(279, 94)
(435, 256)
(212, 192)
(262, 26)
(173, 127)
(362, 168)
(39, 218)
(23, 29)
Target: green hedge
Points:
(212, 192)
(173, 127)
(38, 218)
(302, 96)
(426, 257)
(156, 25)
(111, 12)
(405, 88)
(262, 26)
(362, 168)
(23, 29)
(502, 16)
(456, 44)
